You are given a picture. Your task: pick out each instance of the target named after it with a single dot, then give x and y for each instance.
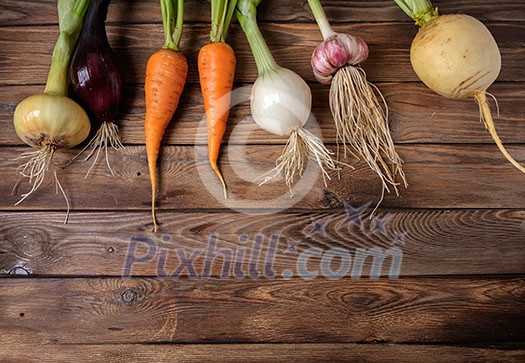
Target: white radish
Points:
(457, 57)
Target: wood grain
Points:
(417, 115)
(440, 176)
(461, 242)
(291, 45)
(229, 353)
(138, 310)
(460, 226)
(16, 12)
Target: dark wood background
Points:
(461, 292)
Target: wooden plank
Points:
(224, 353)
(458, 242)
(138, 310)
(291, 44)
(16, 12)
(417, 115)
(440, 176)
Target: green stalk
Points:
(71, 17)
(246, 13)
(216, 6)
(172, 20)
(321, 19)
(228, 17)
(221, 16)
(422, 11)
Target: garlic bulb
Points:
(359, 109)
(335, 52)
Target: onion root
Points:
(301, 146)
(106, 136)
(35, 167)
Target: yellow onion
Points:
(44, 120)
(50, 121)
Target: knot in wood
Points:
(30, 242)
(330, 200)
(129, 296)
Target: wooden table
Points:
(458, 231)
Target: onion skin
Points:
(456, 56)
(49, 120)
(95, 75)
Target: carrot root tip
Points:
(221, 178)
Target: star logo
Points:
(353, 215)
(317, 227)
(400, 238)
(291, 246)
(378, 225)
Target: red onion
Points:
(96, 78)
(95, 75)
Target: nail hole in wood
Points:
(19, 271)
(129, 296)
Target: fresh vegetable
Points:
(97, 81)
(51, 121)
(166, 74)
(457, 57)
(216, 64)
(361, 123)
(281, 104)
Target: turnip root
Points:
(457, 57)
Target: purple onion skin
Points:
(95, 76)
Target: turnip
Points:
(457, 57)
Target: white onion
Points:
(281, 101)
(281, 104)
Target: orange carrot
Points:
(165, 77)
(216, 70)
(166, 74)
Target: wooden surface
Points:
(104, 288)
